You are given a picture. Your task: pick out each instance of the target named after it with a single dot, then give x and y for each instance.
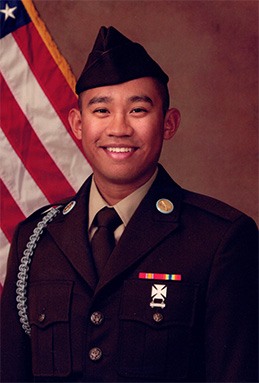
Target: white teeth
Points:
(120, 150)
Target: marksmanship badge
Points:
(158, 295)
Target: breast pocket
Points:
(156, 321)
(49, 307)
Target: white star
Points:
(8, 12)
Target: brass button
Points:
(41, 317)
(158, 317)
(97, 318)
(95, 354)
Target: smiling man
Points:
(122, 128)
(134, 279)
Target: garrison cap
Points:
(116, 59)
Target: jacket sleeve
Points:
(15, 344)
(231, 315)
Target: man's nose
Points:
(119, 126)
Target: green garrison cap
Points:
(116, 59)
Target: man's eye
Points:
(101, 111)
(139, 110)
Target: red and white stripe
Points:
(41, 160)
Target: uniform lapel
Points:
(146, 228)
(69, 231)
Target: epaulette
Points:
(212, 206)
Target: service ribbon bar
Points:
(168, 277)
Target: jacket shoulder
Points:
(39, 213)
(64, 205)
(200, 203)
(212, 206)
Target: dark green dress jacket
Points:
(176, 301)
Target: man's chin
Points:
(130, 178)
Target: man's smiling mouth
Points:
(119, 150)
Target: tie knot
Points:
(107, 217)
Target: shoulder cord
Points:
(24, 268)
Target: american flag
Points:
(41, 162)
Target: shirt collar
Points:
(125, 208)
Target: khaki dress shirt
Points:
(124, 208)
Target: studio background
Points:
(209, 49)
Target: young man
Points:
(176, 298)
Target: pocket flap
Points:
(174, 301)
(49, 302)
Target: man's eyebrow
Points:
(141, 98)
(106, 99)
(98, 100)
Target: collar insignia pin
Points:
(165, 206)
(69, 207)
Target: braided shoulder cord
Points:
(24, 268)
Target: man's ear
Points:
(171, 123)
(75, 121)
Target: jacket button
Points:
(41, 317)
(97, 318)
(158, 317)
(95, 354)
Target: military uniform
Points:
(176, 301)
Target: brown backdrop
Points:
(209, 49)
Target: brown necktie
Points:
(103, 241)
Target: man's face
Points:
(122, 128)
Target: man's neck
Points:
(112, 193)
